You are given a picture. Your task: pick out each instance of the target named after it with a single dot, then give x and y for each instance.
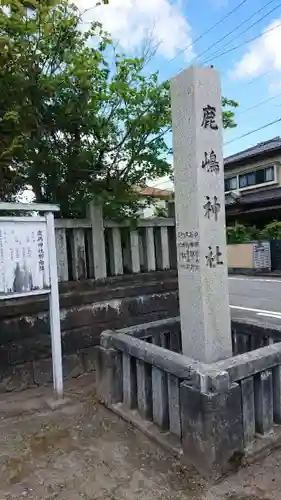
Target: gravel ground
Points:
(80, 450)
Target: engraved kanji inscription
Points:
(188, 255)
(212, 208)
(213, 259)
(209, 117)
(210, 162)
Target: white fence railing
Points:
(97, 247)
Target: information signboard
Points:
(28, 266)
(24, 257)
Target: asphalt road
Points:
(257, 299)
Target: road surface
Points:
(257, 299)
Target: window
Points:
(249, 179)
(257, 177)
(269, 174)
(230, 184)
(254, 178)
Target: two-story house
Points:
(253, 184)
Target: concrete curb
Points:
(256, 274)
(165, 439)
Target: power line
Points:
(233, 140)
(239, 26)
(259, 76)
(243, 43)
(259, 104)
(252, 131)
(207, 31)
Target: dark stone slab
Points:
(212, 431)
(81, 338)
(30, 349)
(144, 389)
(17, 378)
(43, 371)
(276, 387)
(156, 302)
(89, 359)
(4, 356)
(263, 402)
(248, 410)
(129, 381)
(23, 327)
(160, 402)
(174, 405)
(72, 366)
(109, 375)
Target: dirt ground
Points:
(80, 450)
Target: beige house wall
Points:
(240, 256)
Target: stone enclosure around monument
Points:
(215, 416)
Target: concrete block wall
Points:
(86, 308)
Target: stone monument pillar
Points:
(200, 215)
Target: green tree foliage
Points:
(272, 231)
(243, 234)
(228, 116)
(78, 120)
(237, 234)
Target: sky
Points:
(250, 74)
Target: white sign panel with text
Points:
(24, 257)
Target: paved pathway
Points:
(257, 299)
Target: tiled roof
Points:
(153, 192)
(260, 197)
(273, 145)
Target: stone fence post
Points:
(212, 428)
(95, 214)
(109, 372)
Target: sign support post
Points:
(54, 308)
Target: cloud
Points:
(129, 22)
(263, 54)
(219, 4)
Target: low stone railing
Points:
(258, 374)
(213, 414)
(95, 247)
(250, 335)
(148, 380)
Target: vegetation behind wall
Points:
(243, 234)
